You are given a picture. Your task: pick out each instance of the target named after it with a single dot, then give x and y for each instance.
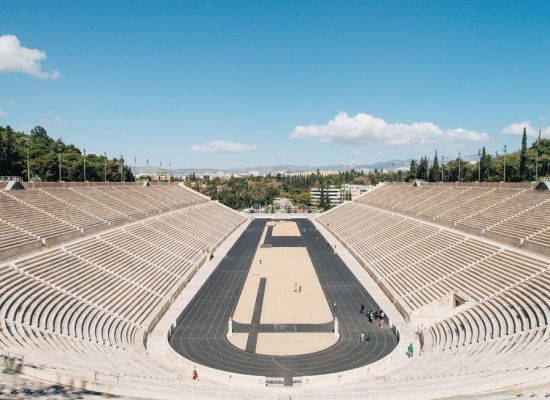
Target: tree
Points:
(327, 202)
(484, 167)
(39, 132)
(423, 169)
(412, 170)
(435, 172)
(303, 198)
(322, 198)
(523, 156)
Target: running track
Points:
(201, 328)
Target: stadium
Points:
(156, 291)
(274, 200)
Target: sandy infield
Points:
(287, 268)
(286, 344)
(293, 295)
(286, 228)
(294, 343)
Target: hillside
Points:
(46, 154)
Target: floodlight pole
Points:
(121, 167)
(537, 159)
(105, 166)
(504, 161)
(84, 164)
(59, 161)
(28, 144)
(459, 166)
(442, 168)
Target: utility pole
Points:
(59, 150)
(84, 154)
(504, 160)
(28, 144)
(459, 166)
(537, 159)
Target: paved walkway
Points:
(200, 334)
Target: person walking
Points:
(410, 351)
(362, 337)
(362, 308)
(195, 374)
(334, 307)
(368, 337)
(370, 316)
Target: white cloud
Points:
(223, 146)
(15, 58)
(3, 113)
(516, 128)
(365, 128)
(281, 152)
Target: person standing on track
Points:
(410, 351)
(334, 307)
(362, 308)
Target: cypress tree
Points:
(412, 169)
(484, 165)
(435, 169)
(523, 156)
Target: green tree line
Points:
(45, 155)
(525, 164)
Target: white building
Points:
(338, 195)
(333, 193)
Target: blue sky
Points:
(246, 83)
